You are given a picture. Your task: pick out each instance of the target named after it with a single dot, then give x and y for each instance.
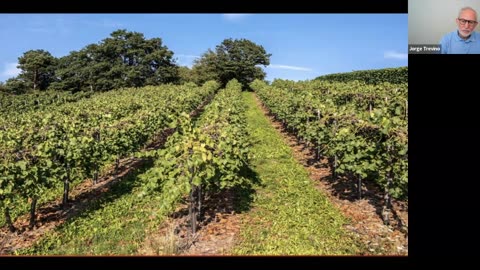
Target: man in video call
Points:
(464, 40)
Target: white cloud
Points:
(10, 70)
(395, 55)
(234, 17)
(187, 56)
(290, 67)
(186, 59)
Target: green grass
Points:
(115, 224)
(289, 216)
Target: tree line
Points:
(128, 59)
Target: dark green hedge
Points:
(372, 76)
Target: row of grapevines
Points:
(203, 158)
(362, 143)
(35, 101)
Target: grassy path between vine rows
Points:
(289, 216)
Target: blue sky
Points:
(303, 46)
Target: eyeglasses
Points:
(463, 21)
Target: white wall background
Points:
(429, 20)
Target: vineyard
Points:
(212, 165)
(68, 143)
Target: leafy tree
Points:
(205, 68)
(233, 59)
(38, 68)
(185, 75)
(125, 59)
(16, 86)
(72, 72)
(138, 61)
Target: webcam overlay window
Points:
(443, 27)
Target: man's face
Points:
(466, 23)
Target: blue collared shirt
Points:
(452, 43)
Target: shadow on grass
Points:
(95, 199)
(346, 188)
(224, 202)
(244, 194)
(87, 201)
